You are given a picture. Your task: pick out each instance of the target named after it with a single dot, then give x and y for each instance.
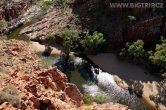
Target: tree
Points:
(92, 44)
(159, 56)
(136, 49)
(70, 40)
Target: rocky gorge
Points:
(21, 70)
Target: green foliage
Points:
(163, 75)
(159, 56)
(100, 98)
(50, 36)
(6, 2)
(46, 4)
(70, 40)
(92, 44)
(10, 94)
(135, 49)
(88, 99)
(132, 18)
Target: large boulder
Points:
(72, 92)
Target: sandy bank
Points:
(37, 47)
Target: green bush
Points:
(50, 36)
(100, 98)
(88, 99)
(10, 94)
(163, 75)
(46, 4)
(92, 44)
(134, 50)
(159, 56)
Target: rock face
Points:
(39, 88)
(10, 12)
(53, 22)
(110, 106)
(12, 16)
(7, 106)
(72, 91)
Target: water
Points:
(15, 34)
(95, 81)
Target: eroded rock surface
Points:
(53, 22)
(39, 88)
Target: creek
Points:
(90, 78)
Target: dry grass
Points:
(10, 94)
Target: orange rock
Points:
(72, 91)
(7, 106)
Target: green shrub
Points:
(132, 18)
(10, 94)
(46, 4)
(88, 99)
(92, 44)
(159, 56)
(135, 49)
(100, 98)
(163, 75)
(50, 36)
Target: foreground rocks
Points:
(21, 74)
(38, 88)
